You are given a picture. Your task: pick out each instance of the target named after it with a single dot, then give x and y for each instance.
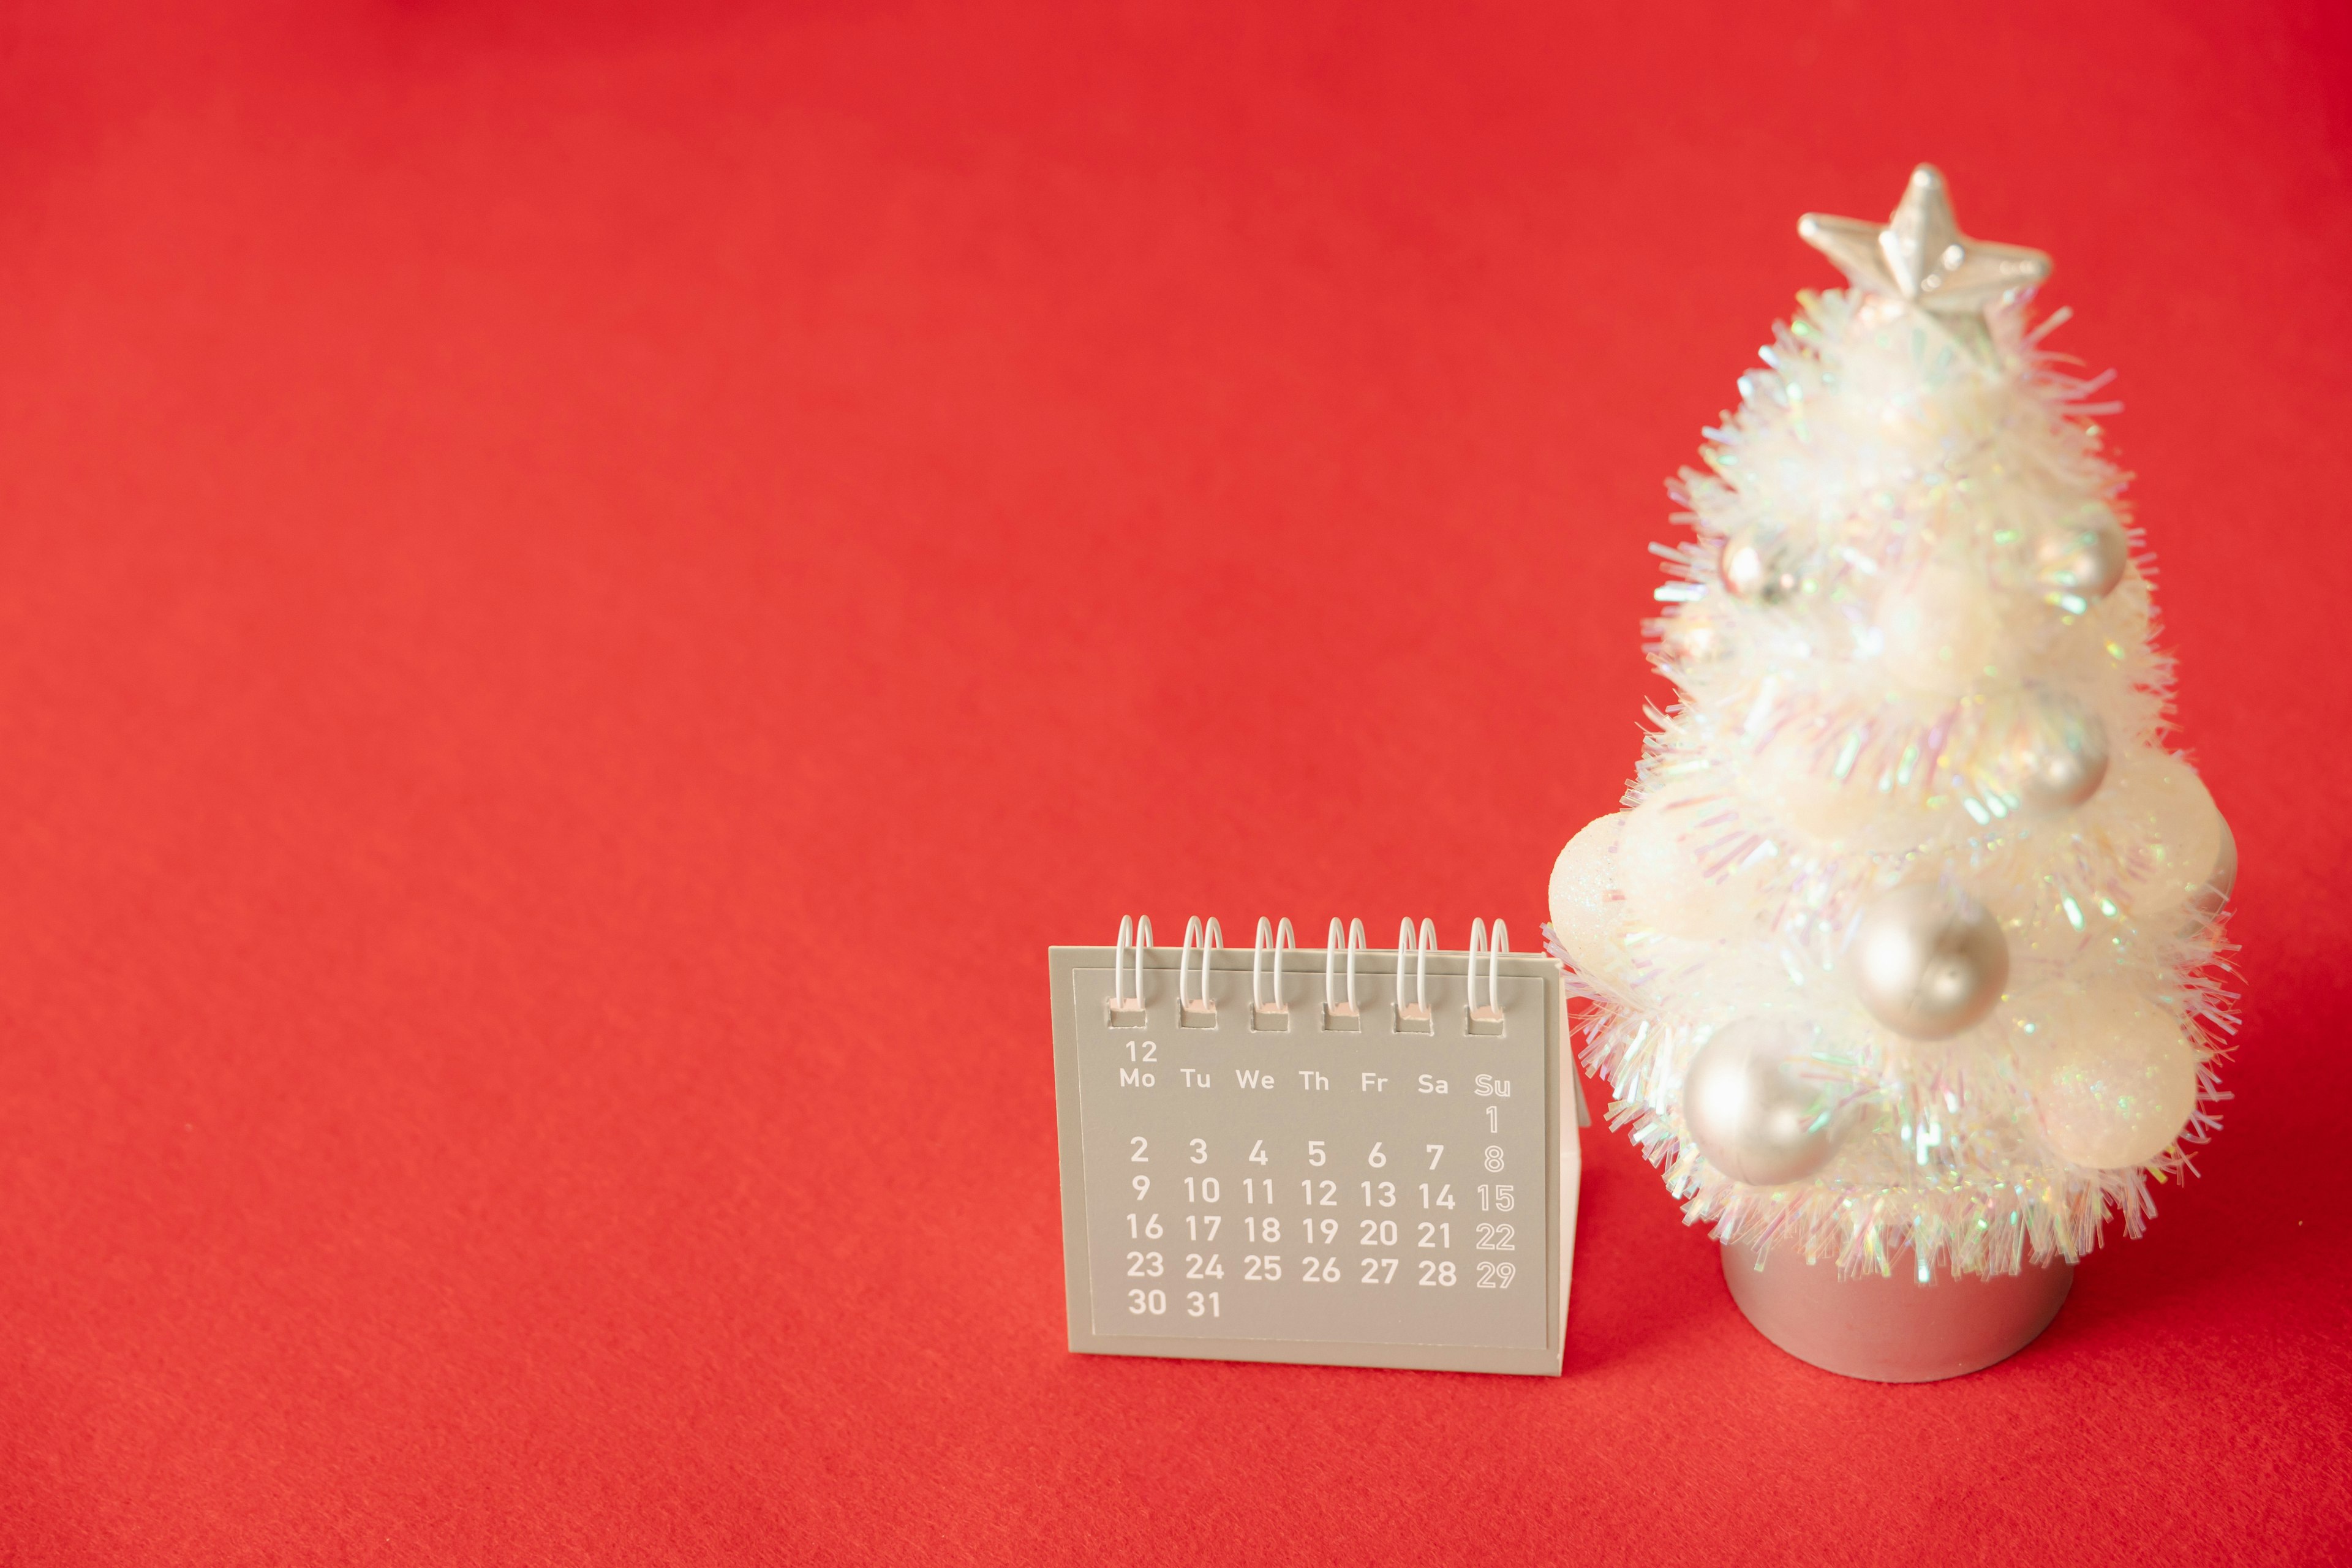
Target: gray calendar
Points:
(1336, 1155)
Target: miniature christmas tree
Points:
(1903, 940)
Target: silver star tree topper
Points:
(1920, 256)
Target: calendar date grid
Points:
(1410, 1223)
(1373, 1187)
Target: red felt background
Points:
(584, 590)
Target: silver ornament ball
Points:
(2206, 903)
(1750, 1109)
(1755, 569)
(2060, 756)
(1690, 639)
(1926, 962)
(2085, 557)
(2224, 881)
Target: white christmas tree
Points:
(1904, 939)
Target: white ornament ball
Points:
(2176, 829)
(1940, 628)
(1927, 962)
(1751, 1111)
(1659, 872)
(2037, 928)
(2113, 1075)
(1586, 913)
(2085, 557)
(1758, 568)
(1794, 781)
(2058, 754)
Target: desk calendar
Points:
(1339, 1156)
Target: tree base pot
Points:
(1892, 1330)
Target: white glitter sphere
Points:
(1797, 784)
(2179, 831)
(1927, 962)
(1659, 873)
(1586, 913)
(2113, 1075)
(1750, 1110)
(1940, 628)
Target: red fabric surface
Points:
(583, 590)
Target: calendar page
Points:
(1264, 1171)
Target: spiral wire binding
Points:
(1272, 1016)
(1338, 1014)
(1487, 1020)
(1202, 1014)
(1121, 1010)
(1414, 1018)
(1126, 1009)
